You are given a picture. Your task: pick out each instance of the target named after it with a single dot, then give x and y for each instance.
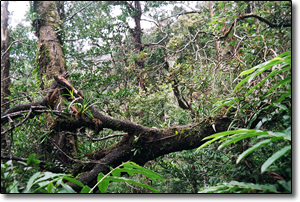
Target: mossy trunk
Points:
(50, 62)
(50, 57)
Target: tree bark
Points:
(50, 56)
(136, 34)
(5, 66)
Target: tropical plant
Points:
(261, 138)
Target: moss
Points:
(43, 59)
(51, 13)
(82, 175)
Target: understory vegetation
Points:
(194, 63)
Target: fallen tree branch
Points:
(149, 142)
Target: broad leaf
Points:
(31, 180)
(73, 181)
(235, 140)
(31, 157)
(85, 189)
(251, 149)
(274, 157)
(103, 184)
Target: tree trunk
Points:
(50, 59)
(50, 56)
(5, 66)
(138, 47)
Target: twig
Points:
(9, 47)
(11, 121)
(78, 11)
(76, 160)
(186, 177)
(166, 35)
(18, 98)
(150, 21)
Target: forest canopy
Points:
(147, 97)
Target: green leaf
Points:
(73, 181)
(44, 136)
(148, 173)
(278, 84)
(286, 134)
(235, 140)
(251, 149)
(260, 68)
(31, 180)
(35, 71)
(288, 60)
(274, 157)
(85, 189)
(52, 115)
(23, 163)
(284, 54)
(35, 161)
(241, 83)
(239, 187)
(222, 134)
(116, 172)
(284, 96)
(123, 179)
(67, 188)
(49, 175)
(270, 75)
(286, 185)
(103, 184)
(13, 187)
(252, 186)
(253, 68)
(50, 187)
(265, 67)
(248, 71)
(226, 103)
(31, 157)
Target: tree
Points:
(5, 65)
(184, 54)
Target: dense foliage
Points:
(196, 60)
